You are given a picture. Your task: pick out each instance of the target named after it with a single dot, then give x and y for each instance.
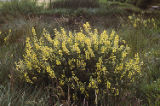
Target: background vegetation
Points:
(132, 20)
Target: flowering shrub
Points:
(139, 21)
(84, 62)
(5, 37)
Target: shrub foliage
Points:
(87, 63)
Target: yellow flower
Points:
(50, 72)
(87, 27)
(130, 17)
(34, 78)
(58, 62)
(116, 92)
(108, 85)
(33, 31)
(76, 48)
(64, 47)
(116, 41)
(112, 35)
(124, 54)
(103, 49)
(27, 78)
(134, 25)
(29, 65)
(87, 55)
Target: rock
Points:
(154, 8)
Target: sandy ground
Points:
(44, 1)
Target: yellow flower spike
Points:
(87, 27)
(37, 46)
(64, 47)
(137, 58)
(58, 62)
(78, 63)
(108, 85)
(130, 17)
(124, 54)
(117, 92)
(121, 47)
(46, 52)
(56, 43)
(134, 25)
(88, 42)
(95, 32)
(6, 39)
(104, 69)
(33, 31)
(48, 37)
(90, 51)
(28, 42)
(50, 72)
(76, 48)
(34, 78)
(103, 37)
(98, 65)
(87, 55)
(114, 49)
(87, 24)
(61, 82)
(10, 30)
(82, 89)
(64, 34)
(119, 67)
(27, 78)
(112, 35)
(113, 58)
(100, 60)
(138, 19)
(116, 41)
(57, 34)
(103, 49)
(124, 41)
(70, 34)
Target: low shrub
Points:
(142, 35)
(87, 64)
(143, 3)
(139, 21)
(140, 32)
(75, 4)
(150, 93)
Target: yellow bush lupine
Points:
(139, 21)
(82, 60)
